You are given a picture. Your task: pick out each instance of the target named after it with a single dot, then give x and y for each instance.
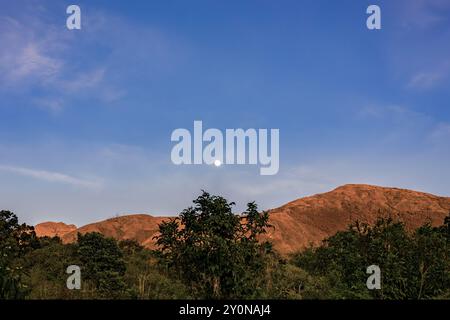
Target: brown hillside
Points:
(312, 219)
(139, 227)
(306, 220)
(52, 229)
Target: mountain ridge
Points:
(296, 224)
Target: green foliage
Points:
(414, 266)
(46, 273)
(208, 252)
(102, 264)
(144, 276)
(215, 252)
(431, 261)
(15, 241)
(46, 269)
(283, 280)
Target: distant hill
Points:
(297, 224)
(52, 229)
(140, 227)
(312, 219)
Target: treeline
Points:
(414, 265)
(36, 268)
(209, 252)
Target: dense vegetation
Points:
(208, 252)
(413, 265)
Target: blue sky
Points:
(87, 114)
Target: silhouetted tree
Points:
(217, 253)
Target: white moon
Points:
(217, 163)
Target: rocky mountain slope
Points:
(296, 224)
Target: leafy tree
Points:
(102, 264)
(215, 252)
(15, 240)
(431, 258)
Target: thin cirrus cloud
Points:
(90, 79)
(36, 54)
(430, 79)
(51, 176)
(27, 57)
(32, 62)
(425, 80)
(39, 58)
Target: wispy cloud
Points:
(33, 62)
(87, 80)
(27, 57)
(35, 55)
(41, 56)
(430, 79)
(425, 80)
(51, 176)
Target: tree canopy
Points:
(216, 252)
